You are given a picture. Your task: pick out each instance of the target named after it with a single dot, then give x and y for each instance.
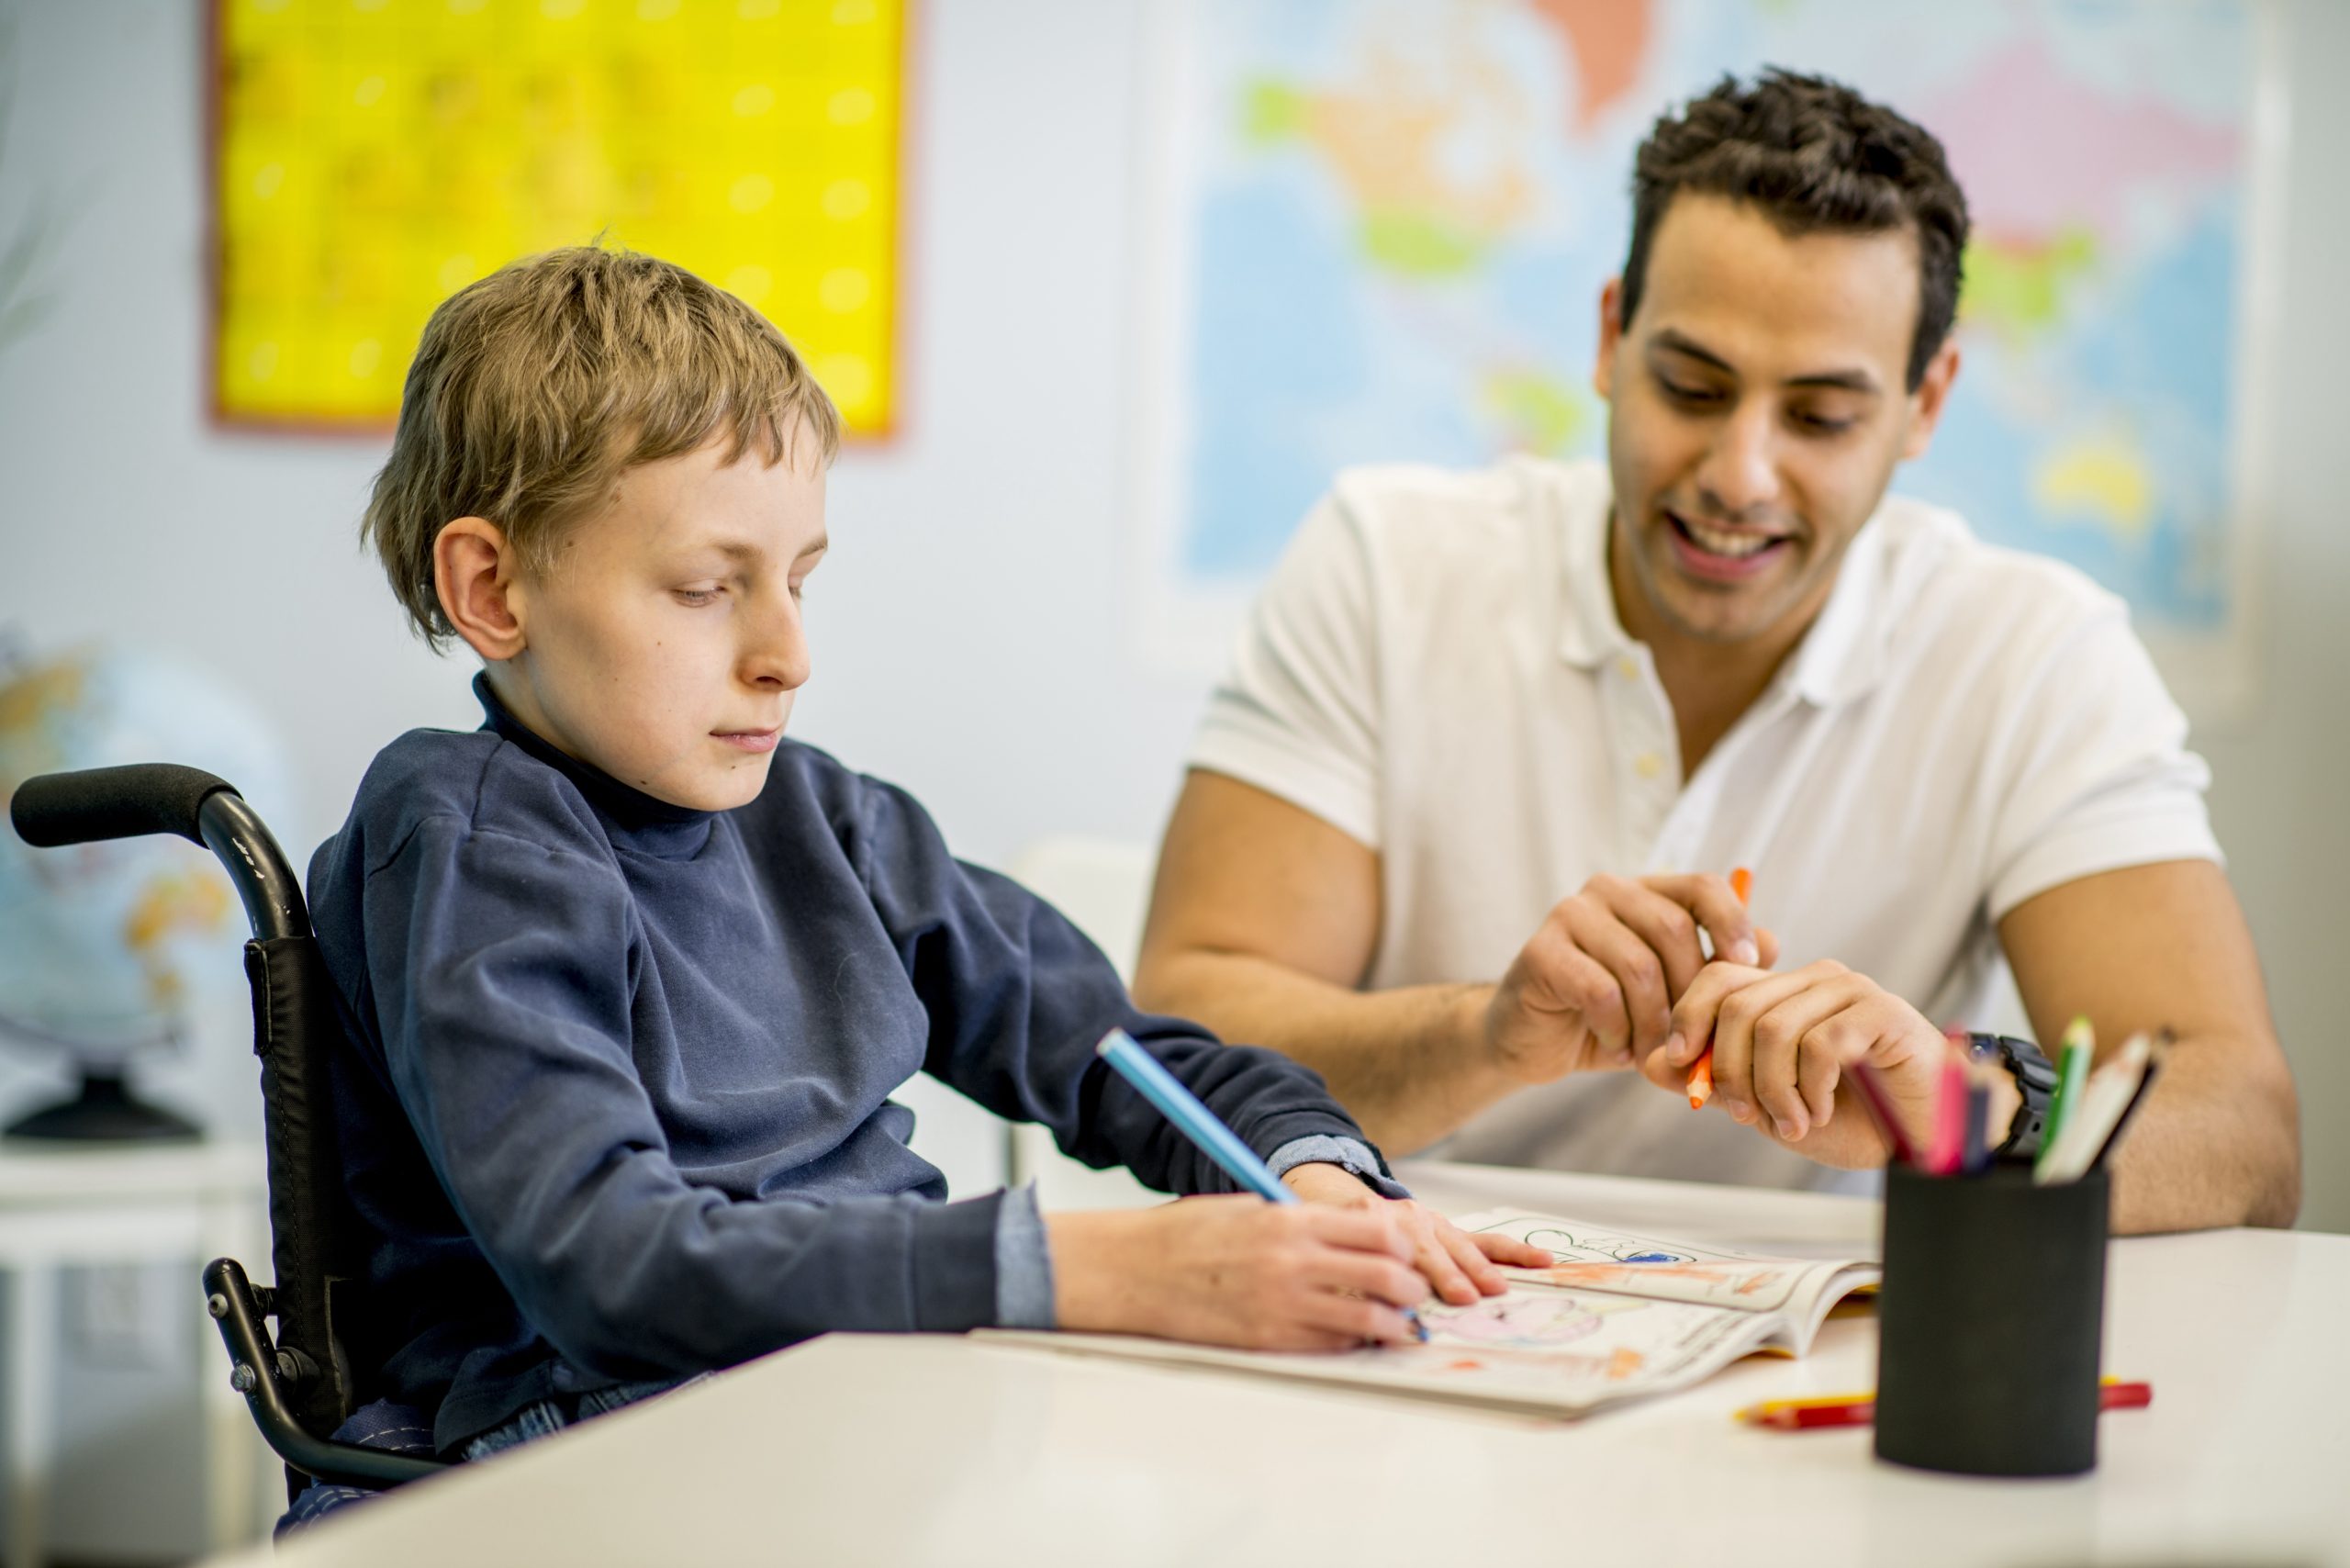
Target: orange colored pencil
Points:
(1701, 1072)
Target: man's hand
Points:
(1784, 1046)
(1459, 1265)
(1595, 986)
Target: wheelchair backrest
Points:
(295, 1028)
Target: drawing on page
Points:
(1569, 1248)
(1520, 1321)
(1731, 1283)
(1527, 1362)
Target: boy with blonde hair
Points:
(628, 979)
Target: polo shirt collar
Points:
(1843, 654)
(1590, 633)
(1841, 657)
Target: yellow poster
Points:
(374, 156)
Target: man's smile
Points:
(1720, 554)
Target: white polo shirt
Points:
(1437, 670)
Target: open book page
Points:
(1590, 1257)
(1551, 1346)
(1535, 1349)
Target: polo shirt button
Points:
(1647, 765)
(1628, 667)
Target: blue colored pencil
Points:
(1199, 1123)
(1193, 1120)
(1976, 1157)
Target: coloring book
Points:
(1613, 1317)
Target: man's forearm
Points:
(1411, 1064)
(2217, 1143)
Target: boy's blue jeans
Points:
(388, 1426)
(550, 1416)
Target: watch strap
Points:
(2035, 1078)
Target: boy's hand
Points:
(1237, 1270)
(1458, 1265)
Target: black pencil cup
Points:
(1989, 1323)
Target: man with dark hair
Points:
(1813, 157)
(1457, 821)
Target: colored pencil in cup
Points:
(1976, 1156)
(2072, 1081)
(2091, 1124)
(2158, 1053)
(1701, 1072)
(1881, 1111)
(1949, 1113)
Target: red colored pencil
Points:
(1881, 1111)
(1803, 1414)
(1950, 1117)
(1860, 1409)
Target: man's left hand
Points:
(1784, 1047)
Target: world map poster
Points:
(1380, 230)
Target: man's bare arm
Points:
(1264, 920)
(2217, 1142)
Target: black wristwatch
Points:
(2035, 1078)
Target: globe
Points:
(108, 948)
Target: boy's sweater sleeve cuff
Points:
(954, 1263)
(1024, 1263)
(1351, 1155)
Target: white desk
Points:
(78, 1205)
(921, 1449)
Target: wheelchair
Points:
(297, 1384)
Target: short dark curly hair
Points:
(1814, 157)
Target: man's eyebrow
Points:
(1853, 380)
(1838, 381)
(1679, 343)
(816, 546)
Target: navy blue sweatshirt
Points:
(616, 1101)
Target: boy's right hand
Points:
(1237, 1271)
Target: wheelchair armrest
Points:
(258, 1371)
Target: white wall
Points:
(2279, 771)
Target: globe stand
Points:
(104, 1112)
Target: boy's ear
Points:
(473, 569)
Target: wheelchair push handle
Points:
(59, 808)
